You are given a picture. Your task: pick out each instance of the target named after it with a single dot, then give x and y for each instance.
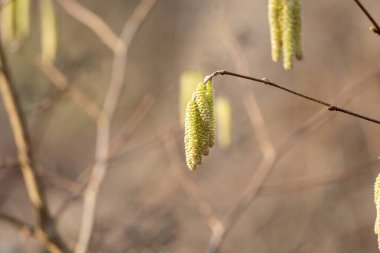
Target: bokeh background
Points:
(318, 197)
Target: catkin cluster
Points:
(15, 23)
(199, 125)
(285, 30)
(377, 204)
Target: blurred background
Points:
(317, 191)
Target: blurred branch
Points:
(33, 184)
(257, 179)
(376, 27)
(269, 161)
(104, 122)
(77, 187)
(61, 83)
(262, 136)
(18, 224)
(275, 85)
(92, 21)
(213, 222)
(312, 182)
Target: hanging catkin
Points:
(22, 16)
(203, 106)
(210, 102)
(297, 29)
(199, 124)
(48, 30)
(287, 34)
(193, 135)
(274, 10)
(285, 30)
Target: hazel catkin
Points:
(193, 129)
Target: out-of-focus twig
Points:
(92, 21)
(104, 123)
(35, 189)
(262, 136)
(213, 222)
(309, 183)
(376, 27)
(285, 145)
(78, 186)
(61, 83)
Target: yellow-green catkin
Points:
(187, 86)
(7, 28)
(210, 103)
(193, 135)
(48, 30)
(22, 18)
(223, 121)
(288, 47)
(203, 106)
(274, 13)
(297, 29)
(377, 204)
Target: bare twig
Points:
(104, 122)
(257, 180)
(33, 184)
(376, 27)
(213, 222)
(61, 83)
(309, 183)
(268, 163)
(78, 186)
(265, 81)
(92, 21)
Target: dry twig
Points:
(45, 224)
(104, 122)
(92, 21)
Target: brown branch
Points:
(266, 146)
(255, 186)
(104, 123)
(311, 182)
(213, 222)
(62, 84)
(265, 81)
(33, 184)
(376, 27)
(92, 21)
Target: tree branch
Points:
(92, 21)
(265, 81)
(104, 122)
(35, 190)
(376, 27)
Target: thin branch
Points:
(265, 81)
(117, 142)
(376, 27)
(15, 222)
(255, 186)
(205, 209)
(309, 183)
(33, 184)
(104, 122)
(92, 21)
(62, 84)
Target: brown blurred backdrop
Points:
(319, 195)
